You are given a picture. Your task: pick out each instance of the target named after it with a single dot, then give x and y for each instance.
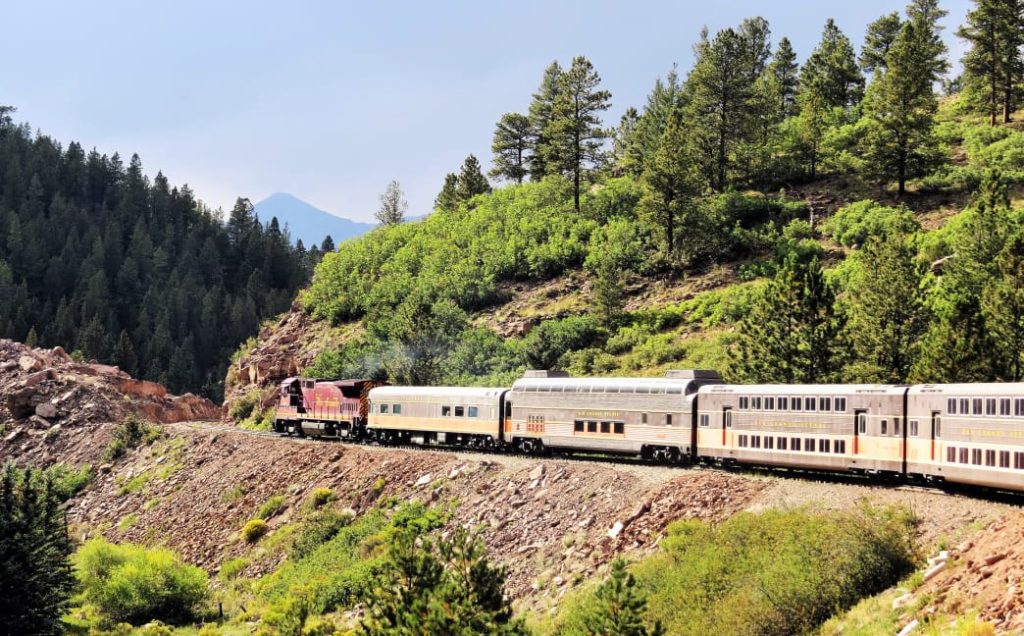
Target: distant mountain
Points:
(307, 222)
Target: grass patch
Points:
(131, 433)
(253, 530)
(232, 494)
(271, 507)
(771, 573)
(232, 568)
(127, 522)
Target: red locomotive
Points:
(329, 409)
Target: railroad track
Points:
(1008, 497)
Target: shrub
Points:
(545, 345)
(232, 568)
(856, 222)
(318, 530)
(253, 530)
(132, 584)
(320, 497)
(69, 481)
(271, 507)
(245, 406)
(131, 433)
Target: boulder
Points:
(30, 363)
(46, 410)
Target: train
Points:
(957, 433)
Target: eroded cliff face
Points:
(44, 393)
(282, 349)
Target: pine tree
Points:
(878, 40)
(793, 334)
(32, 339)
(992, 65)
(36, 580)
(619, 608)
(718, 90)
(511, 147)
(900, 107)
(1002, 305)
(925, 15)
(609, 292)
(327, 246)
(124, 354)
(648, 129)
(888, 316)
(540, 114)
(575, 133)
(624, 141)
(448, 198)
(785, 73)
(439, 587)
(831, 70)
(471, 180)
(959, 347)
(670, 182)
(392, 205)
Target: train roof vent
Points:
(692, 374)
(545, 373)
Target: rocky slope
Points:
(47, 398)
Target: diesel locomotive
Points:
(958, 433)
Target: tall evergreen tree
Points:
(624, 141)
(511, 147)
(718, 90)
(471, 180)
(575, 133)
(671, 183)
(900, 107)
(793, 334)
(878, 40)
(831, 71)
(992, 65)
(540, 114)
(327, 245)
(888, 316)
(925, 15)
(785, 73)
(448, 198)
(661, 101)
(392, 205)
(1002, 305)
(36, 581)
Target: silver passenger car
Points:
(967, 433)
(436, 414)
(651, 417)
(857, 427)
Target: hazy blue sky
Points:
(331, 100)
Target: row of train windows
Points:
(584, 388)
(976, 455)
(985, 406)
(446, 411)
(793, 403)
(581, 426)
(808, 444)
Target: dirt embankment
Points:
(49, 404)
(552, 522)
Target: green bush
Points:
(546, 343)
(132, 584)
(855, 223)
(318, 530)
(271, 507)
(770, 574)
(245, 406)
(253, 530)
(320, 497)
(131, 433)
(69, 481)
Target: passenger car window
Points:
(460, 411)
(396, 409)
(383, 408)
(620, 428)
(473, 411)
(446, 411)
